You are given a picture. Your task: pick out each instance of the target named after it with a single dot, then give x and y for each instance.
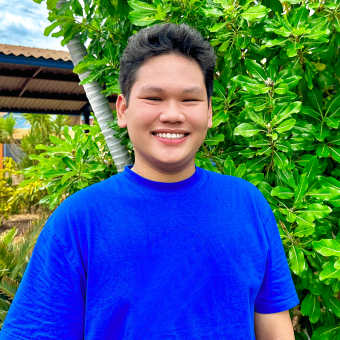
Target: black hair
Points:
(166, 39)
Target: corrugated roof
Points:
(34, 52)
(38, 88)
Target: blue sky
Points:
(22, 22)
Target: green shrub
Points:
(276, 115)
(6, 188)
(13, 262)
(70, 164)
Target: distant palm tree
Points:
(99, 104)
(7, 130)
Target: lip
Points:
(174, 131)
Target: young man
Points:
(164, 250)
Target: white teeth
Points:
(170, 135)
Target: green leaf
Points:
(136, 19)
(211, 12)
(308, 303)
(282, 192)
(247, 130)
(333, 304)
(304, 230)
(292, 48)
(248, 153)
(275, 5)
(240, 171)
(323, 132)
(218, 26)
(68, 175)
(330, 182)
(329, 272)
(247, 83)
(50, 28)
(323, 150)
(300, 16)
(255, 12)
(323, 194)
(219, 89)
(315, 97)
(255, 179)
(333, 106)
(286, 125)
(292, 81)
(325, 332)
(257, 118)
(70, 163)
(303, 219)
(283, 112)
(214, 140)
(219, 118)
(320, 35)
(266, 190)
(310, 112)
(333, 123)
(287, 177)
(142, 7)
(312, 168)
(280, 160)
(256, 164)
(255, 70)
(327, 247)
(273, 42)
(318, 211)
(229, 166)
(300, 191)
(297, 260)
(335, 153)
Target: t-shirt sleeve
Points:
(50, 301)
(277, 292)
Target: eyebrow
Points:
(193, 89)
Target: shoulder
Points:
(230, 188)
(88, 199)
(231, 182)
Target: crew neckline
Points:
(163, 186)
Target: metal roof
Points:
(34, 52)
(34, 80)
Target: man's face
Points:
(168, 114)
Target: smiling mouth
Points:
(171, 135)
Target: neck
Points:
(165, 176)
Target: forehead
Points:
(169, 70)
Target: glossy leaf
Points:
(283, 193)
(297, 260)
(247, 130)
(327, 247)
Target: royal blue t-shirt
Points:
(129, 258)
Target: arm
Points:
(276, 326)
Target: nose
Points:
(172, 113)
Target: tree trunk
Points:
(99, 104)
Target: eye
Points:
(153, 99)
(190, 100)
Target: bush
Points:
(71, 164)
(276, 115)
(6, 188)
(14, 259)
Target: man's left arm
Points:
(275, 326)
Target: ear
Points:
(121, 111)
(210, 122)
